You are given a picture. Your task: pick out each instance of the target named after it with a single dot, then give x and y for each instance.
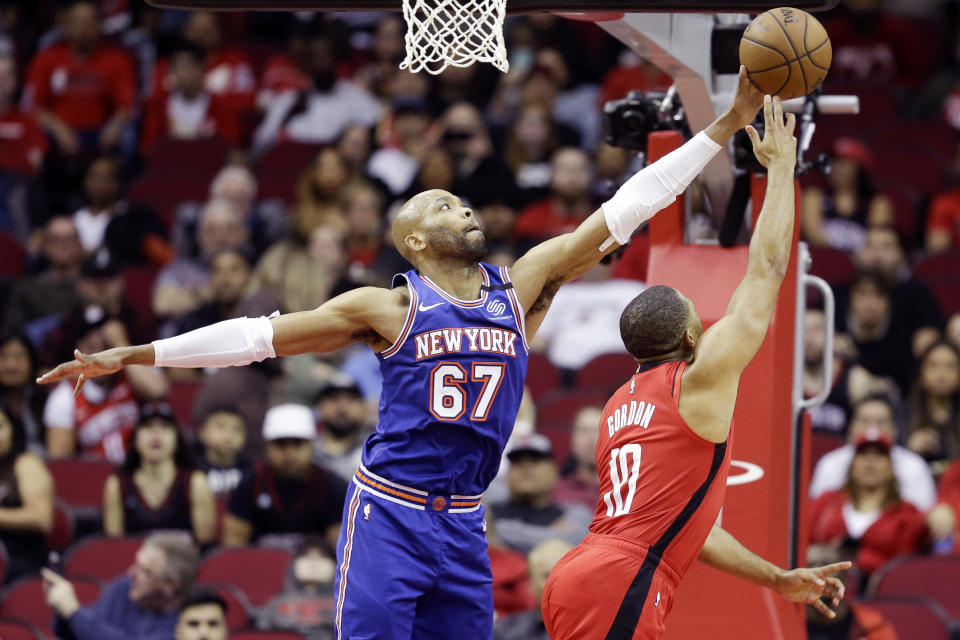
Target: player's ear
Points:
(415, 242)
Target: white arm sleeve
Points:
(230, 343)
(656, 186)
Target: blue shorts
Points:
(411, 565)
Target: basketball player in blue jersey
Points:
(451, 336)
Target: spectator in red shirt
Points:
(23, 143)
(228, 74)
(82, 89)
(569, 203)
(943, 222)
(868, 515)
(189, 111)
(943, 518)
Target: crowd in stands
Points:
(164, 170)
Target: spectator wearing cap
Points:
(839, 215)
(288, 496)
(101, 419)
(52, 291)
(307, 604)
(203, 616)
(82, 90)
(142, 604)
(406, 135)
(343, 426)
(101, 285)
(530, 515)
(868, 516)
(320, 112)
(528, 625)
(914, 481)
(158, 487)
(222, 436)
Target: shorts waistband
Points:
(641, 550)
(414, 498)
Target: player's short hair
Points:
(199, 597)
(654, 322)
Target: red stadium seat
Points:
(280, 167)
(13, 629)
(562, 406)
(257, 573)
(833, 265)
(934, 577)
(101, 558)
(542, 376)
(79, 482)
(4, 562)
(138, 290)
(13, 260)
(182, 395)
(822, 443)
(24, 601)
(238, 607)
(939, 272)
(61, 536)
(266, 635)
(913, 618)
(202, 157)
(607, 372)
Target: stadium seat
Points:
(101, 558)
(163, 193)
(13, 629)
(939, 272)
(24, 600)
(280, 167)
(542, 376)
(79, 482)
(257, 573)
(833, 265)
(61, 536)
(4, 562)
(561, 406)
(13, 261)
(934, 577)
(822, 443)
(238, 607)
(206, 157)
(606, 373)
(138, 290)
(182, 395)
(913, 618)
(266, 635)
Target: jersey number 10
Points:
(624, 470)
(448, 398)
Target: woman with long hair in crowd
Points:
(868, 516)
(934, 405)
(26, 500)
(158, 486)
(18, 388)
(319, 190)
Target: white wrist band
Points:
(230, 343)
(656, 186)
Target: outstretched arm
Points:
(371, 315)
(561, 259)
(722, 551)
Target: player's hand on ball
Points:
(85, 366)
(747, 100)
(778, 148)
(809, 585)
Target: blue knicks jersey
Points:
(452, 384)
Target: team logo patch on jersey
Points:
(496, 307)
(366, 511)
(439, 503)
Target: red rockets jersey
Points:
(661, 484)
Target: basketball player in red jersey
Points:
(662, 451)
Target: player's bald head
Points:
(409, 219)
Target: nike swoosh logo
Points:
(423, 308)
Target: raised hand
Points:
(778, 148)
(85, 366)
(808, 585)
(747, 100)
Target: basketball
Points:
(787, 52)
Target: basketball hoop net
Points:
(443, 33)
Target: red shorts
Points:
(608, 588)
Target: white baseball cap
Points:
(289, 421)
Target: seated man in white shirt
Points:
(913, 475)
